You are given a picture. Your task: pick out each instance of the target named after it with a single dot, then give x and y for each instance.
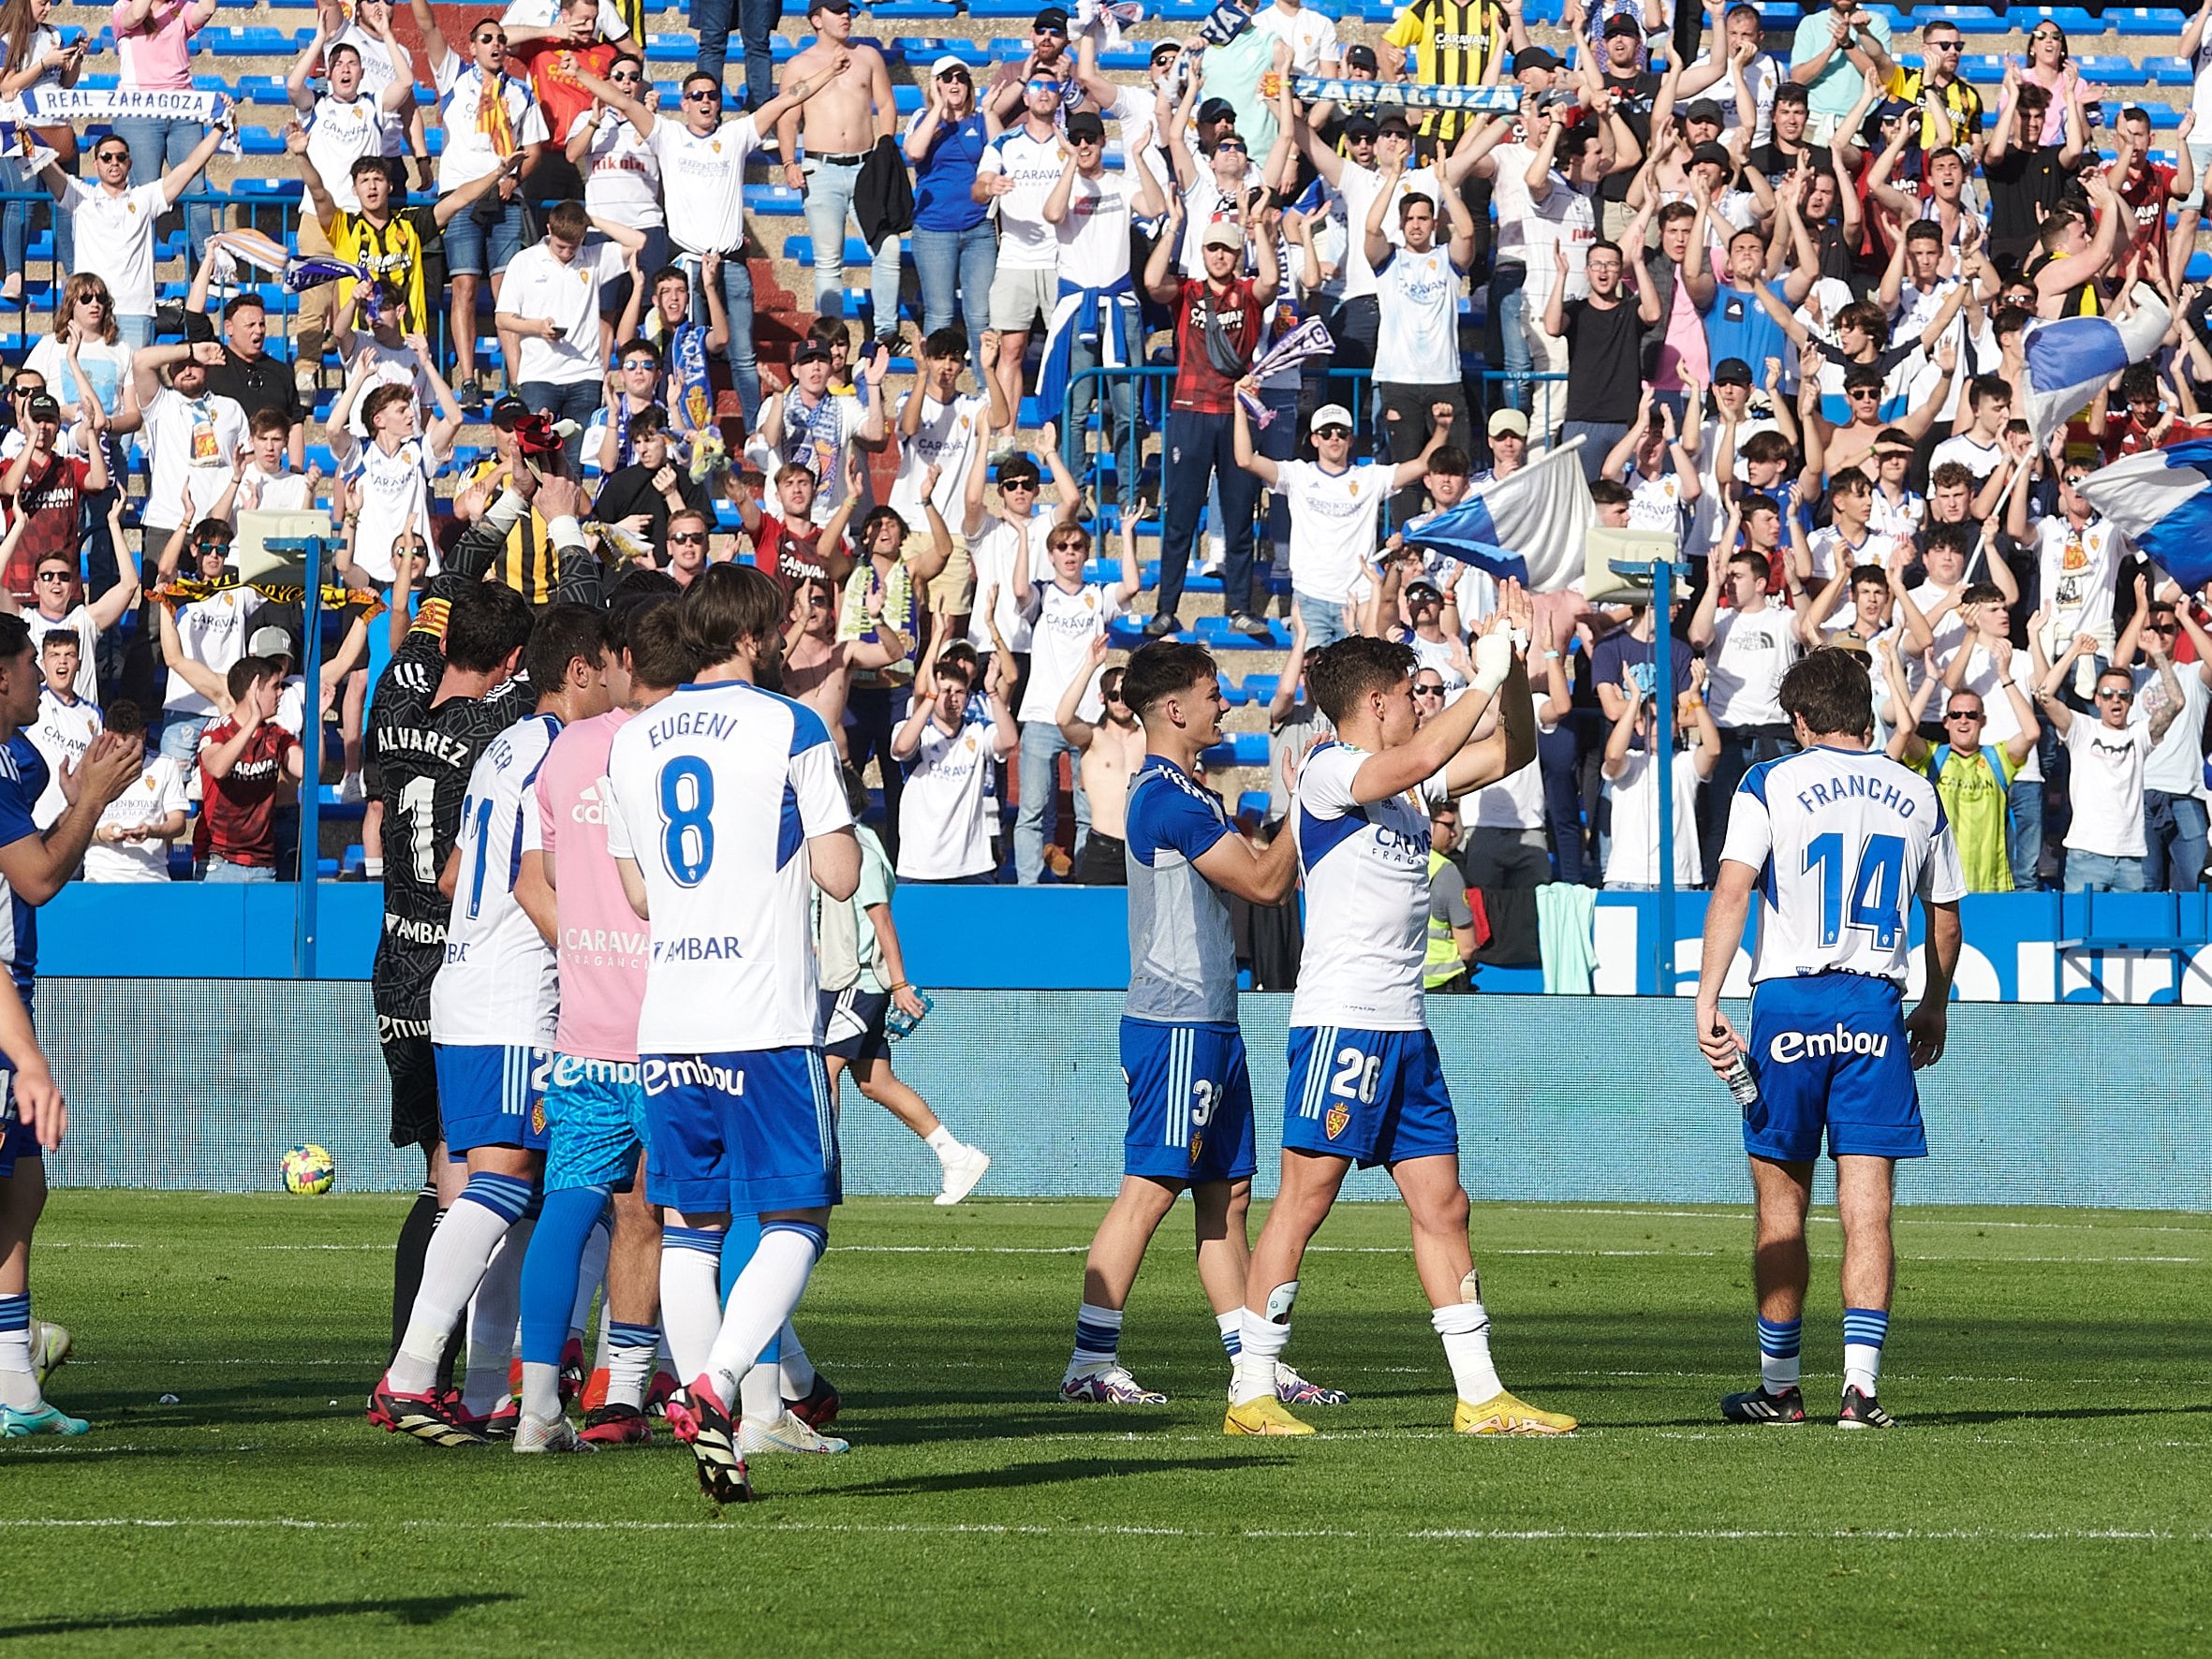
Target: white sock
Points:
(591, 1275)
(542, 1389)
(940, 1141)
(1263, 1341)
(1466, 1330)
(629, 1373)
(1232, 1325)
(690, 1302)
(602, 1351)
(492, 1321)
(759, 1395)
(453, 1267)
(372, 869)
(1097, 1338)
(19, 1386)
(763, 1297)
(793, 1367)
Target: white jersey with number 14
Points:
(1842, 840)
(716, 791)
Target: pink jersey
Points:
(603, 941)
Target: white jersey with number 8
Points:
(715, 790)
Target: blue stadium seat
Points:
(2168, 72)
(1253, 803)
(1260, 688)
(2163, 117)
(1985, 68)
(258, 41)
(2107, 70)
(1214, 634)
(1897, 17)
(1971, 20)
(1231, 693)
(1543, 11)
(2074, 20)
(672, 49)
(856, 251)
(1238, 748)
(779, 201)
(263, 90)
(925, 50)
(932, 11)
(1023, 10)
(2147, 20)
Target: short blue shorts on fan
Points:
(1830, 1053)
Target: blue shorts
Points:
(492, 1095)
(1190, 1102)
(852, 1023)
(596, 1114)
(484, 246)
(18, 1140)
(1375, 1096)
(740, 1132)
(1829, 1051)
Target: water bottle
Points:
(1740, 1081)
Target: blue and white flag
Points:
(2161, 501)
(1530, 526)
(2070, 361)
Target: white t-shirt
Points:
(1970, 452)
(471, 153)
(1332, 519)
(341, 131)
(1310, 35)
(993, 551)
(395, 494)
(946, 439)
(1366, 899)
(621, 172)
(146, 804)
(1515, 801)
(542, 14)
(499, 984)
(944, 828)
(702, 183)
(1765, 73)
(115, 240)
(1632, 859)
(822, 436)
(2003, 723)
(80, 623)
(715, 790)
(213, 633)
(1357, 185)
(2078, 568)
(190, 445)
(275, 492)
(1025, 242)
(388, 366)
(2177, 766)
(1093, 238)
(1745, 665)
(539, 285)
(375, 59)
(1061, 627)
(2107, 787)
(62, 734)
(1418, 340)
(107, 371)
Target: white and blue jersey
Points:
(1842, 840)
(716, 791)
(500, 981)
(1182, 1055)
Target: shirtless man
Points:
(1852, 443)
(819, 666)
(839, 125)
(1112, 752)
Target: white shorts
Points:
(1018, 298)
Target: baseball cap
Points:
(1222, 233)
(810, 351)
(1361, 57)
(948, 65)
(268, 642)
(1052, 17)
(1715, 154)
(1703, 110)
(1164, 49)
(1416, 588)
(1330, 415)
(815, 6)
(1534, 57)
(1359, 127)
(508, 410)
(1511, 420)
(41, 405)
(1396, 123)
(1085, 124)
(1732, 371)
(1622, 24)
(1558, 97)
(1215, 109)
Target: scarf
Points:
(691, 401)
(1390, 94)
(491, 114)
(1106, 316)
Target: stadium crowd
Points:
(1773, 300)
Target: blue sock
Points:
(550, 1269)
(1864, 1331)
(1779, 1341)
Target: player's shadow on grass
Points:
(405, 1610)
(1059, 1473)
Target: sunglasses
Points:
(1861, 391)
(1331, 431)
(1230, 148)
(489, 39)
(113, 156)
(1945, 45)
(688, 535)
(959, 74)
(702, 94)
(2161, 627)
(2045, 35)
(1050, 86)
(619, 76)
(2116, 695)
(640, 362)
(1428, 691)
(1052, 34)
(54, 576)
(1966, 715)
(1085, 138)
(1018, 484)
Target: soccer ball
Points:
(308, 1170)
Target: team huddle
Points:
(599, 996)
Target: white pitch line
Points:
(1246, 1534)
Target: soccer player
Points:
(32, 867)
(440, 701)
(1836, 839)
(1366, 1084)
(1182, 1055)
(726, 806)
(493, 1012)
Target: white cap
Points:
(1330, 415)
(946, 65)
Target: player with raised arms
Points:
(1365, 1082)
(1182, 1055)
(493, 1012)
(1836, 839)
(727, 804)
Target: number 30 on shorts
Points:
(1357, 1076)
(686, 816)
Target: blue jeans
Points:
(179, 737)
(157, 144)
(2174, 836)
(484, 246)
(956, 268)
(1599, 438)
(575, 399)
(1200, 452)
(2024, 832)
(2099, 872)
(1043, 745)
(15, 226)
(221, 869)
(134, 332)
(1278, 441)
(1324, 621)
(828, 204)
(1120, 433)
(755, 27)
(737, 305)
(1507, 304)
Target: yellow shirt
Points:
(394, 255)
(1454, 42)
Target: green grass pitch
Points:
(2048, 1493)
